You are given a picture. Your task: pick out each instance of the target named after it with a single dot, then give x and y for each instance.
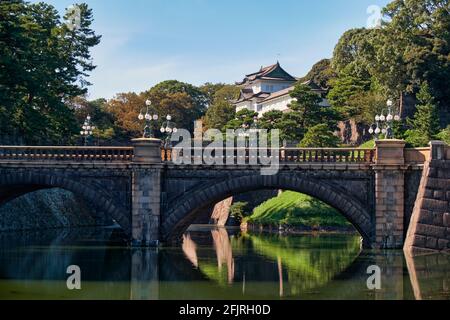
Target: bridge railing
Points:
(284, 155)
(235, 156)
(66, 153)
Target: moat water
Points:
(212, 264)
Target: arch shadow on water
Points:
(14, 185)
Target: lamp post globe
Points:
(87, 130)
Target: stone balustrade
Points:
(66, 153)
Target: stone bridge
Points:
(155, 200)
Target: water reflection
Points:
(212, 264)
(430, 276)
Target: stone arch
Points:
(21, 183)
(181, 213)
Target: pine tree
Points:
(425, 125)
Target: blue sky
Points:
(197, 41)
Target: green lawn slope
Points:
(297, 210)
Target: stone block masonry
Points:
(155, 200)
(389, 194)
(429, 230)
(146, 193)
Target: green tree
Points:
(239, 210)
(185, 102)
(286, 122)
(245, 117)
(416, 42)
(43, 64)
(352, 50)
(308, 109)
(209, 90)
(219, 114)
(271, 120)
(411, 47)
(344, 89)
(221, 111)
(319, 136)
(321, 73)
(425, 125)
(104, 120)
(444, 135)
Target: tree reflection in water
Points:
(303, 262)
(212, 265)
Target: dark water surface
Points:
(212, 264)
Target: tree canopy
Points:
(184, 102)
(321, 73)
(43, 64)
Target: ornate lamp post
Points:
(168, 127)
(254, 125)
(247, 129)
(149, 120)
(384, 123)
(88, 130)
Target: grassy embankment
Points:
(293, 209)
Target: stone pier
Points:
(390, 193)
(146, 192)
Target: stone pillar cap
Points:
(390, 141)
(437, 142)
(146, 140)
(147, 150)
(390, 152)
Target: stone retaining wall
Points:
(429, 230)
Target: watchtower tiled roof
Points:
(273, 72)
